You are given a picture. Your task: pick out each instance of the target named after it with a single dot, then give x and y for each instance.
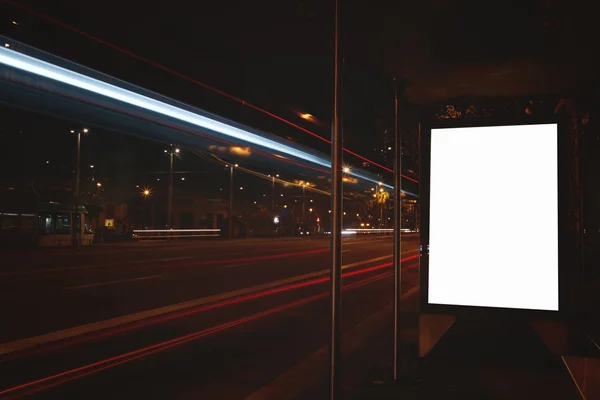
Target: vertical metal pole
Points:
(336, 231)
(273, 197)
(230, 201)
(170, 195)
(397, 234)
(75, 235)
(303, 215)
(78, 167)
(581, 181)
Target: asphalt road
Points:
(178, 321)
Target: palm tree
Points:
(382, 196)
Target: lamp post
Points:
(273, 193)
(231, 200)
(85, 131)
(303, 204)
(172, 152)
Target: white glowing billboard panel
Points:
(493, 230)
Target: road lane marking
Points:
(113, 282)
(23, 344)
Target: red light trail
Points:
(76, 373)
(196, 310)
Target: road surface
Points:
(181, 320)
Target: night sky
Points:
(278, 54)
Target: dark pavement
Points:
(185, 320)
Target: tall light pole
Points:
(231, 200)
(85, 131)
(303, 204)
(172, 152)
(336, 231)
(273, 193)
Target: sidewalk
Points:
(470, 362)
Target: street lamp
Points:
(303, 197)
(84, 131)
(231, 167)
(273, 195)
(172, 152)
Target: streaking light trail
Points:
(98, 366)
(194, 81)
(53, 72)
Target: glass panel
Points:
(45, 225)
(62, 225)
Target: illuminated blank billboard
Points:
(493, 228)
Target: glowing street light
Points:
(346, 170)
(98, 184)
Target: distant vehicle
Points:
(51, 225)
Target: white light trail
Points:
(53, 72)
